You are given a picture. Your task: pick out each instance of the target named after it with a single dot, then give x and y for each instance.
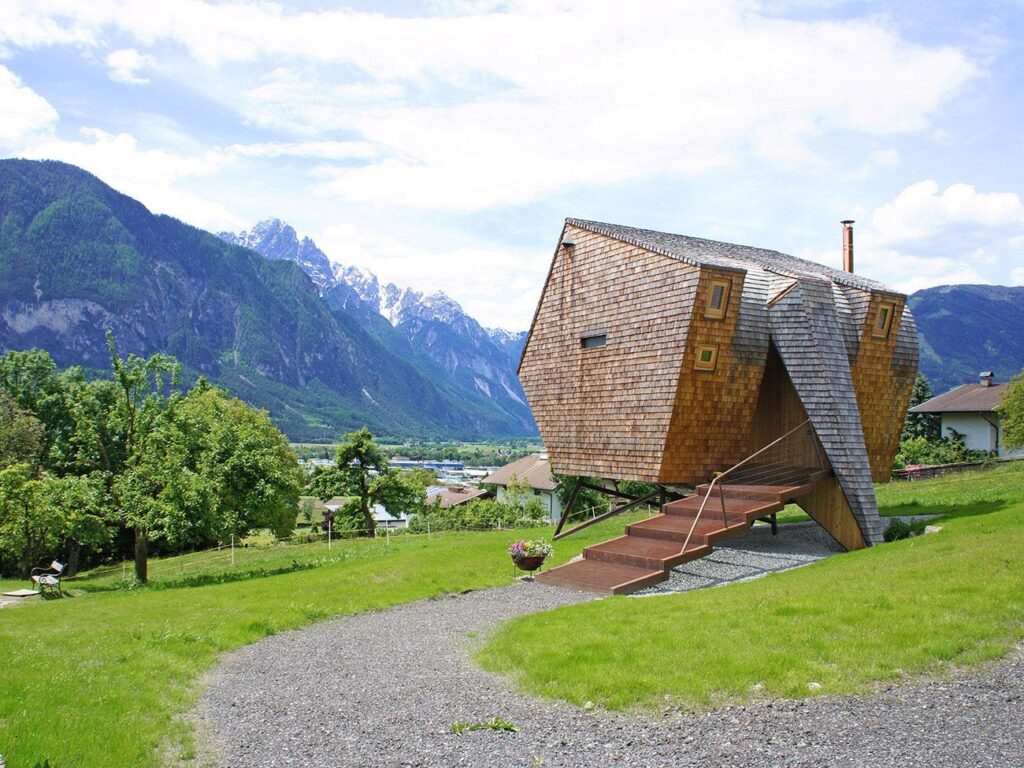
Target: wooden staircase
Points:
(652, 547)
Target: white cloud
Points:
(125, 64)
(152, 176)
(318, 150)
(926, 236)
(488, 105)
(1017, 276)
(921, 211)
(25, 112)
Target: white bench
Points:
(49, 578)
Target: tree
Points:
(924, 425)
(31, 379)
(138, 491)
(361, 470)
(1011, 413)
(255, 474)
(22, 436)
(83, 505)
(211, 467)
(29, 528)
(586, 498)
(521, 496)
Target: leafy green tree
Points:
(925, 425)
(141, 491)
(521, 496)
(1011, 414)
(256, 476)
(361, 470)
(211, 467)
(587, 498)
(86, 512)
(31, 379)
(30, 529)
(22, 436)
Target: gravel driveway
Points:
(383, 688)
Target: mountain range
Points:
(966, 329)
(77, 258)
(325, 348)
(430, 331)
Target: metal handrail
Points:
(610, 513)
(716, 480)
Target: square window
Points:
(718, 299)
(883, 320)
(591, 342)
(707, 357)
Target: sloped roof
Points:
(970, 398)
(447, 497)
(533, 470)
(699, 252)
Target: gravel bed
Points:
(383, 689)
(751, 555)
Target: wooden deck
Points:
(652, 547)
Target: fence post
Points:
(330, 526)
(428, 529)
(232, 550)
(387, 534)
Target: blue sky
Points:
(441, 143)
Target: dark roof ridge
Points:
(740, 258)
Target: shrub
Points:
(902, 529)
(477, 514)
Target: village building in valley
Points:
(970, 410)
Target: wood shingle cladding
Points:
(606, 410)
(710, 351)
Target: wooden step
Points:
(645, 552)
(652, 547)
(676, 527)
(602, 577)
(780, 491)
(735, 508)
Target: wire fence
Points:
(309, 546)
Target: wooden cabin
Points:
(668, 359)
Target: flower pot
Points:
(529, 562)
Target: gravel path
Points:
(383, 688)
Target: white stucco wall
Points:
(981, 432)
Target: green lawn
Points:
(101, 679)
(881, 615)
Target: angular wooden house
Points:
(673, 360)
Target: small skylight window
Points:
(707, 357)
(883, 320)
(718, 299)
(592, 342)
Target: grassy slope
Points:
(99, 680)
(879, 615)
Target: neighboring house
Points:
(384, 519)
(381, 516)
(533, 472)
(452, 496)
(971, 410)
(667, 359)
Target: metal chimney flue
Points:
(847, 245)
